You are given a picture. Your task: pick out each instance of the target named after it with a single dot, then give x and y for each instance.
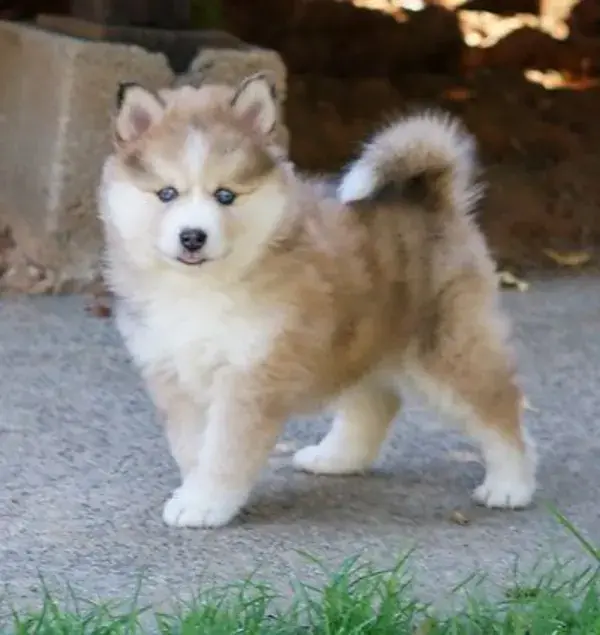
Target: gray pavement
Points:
(85, 469)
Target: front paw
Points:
(505, 493)
(204, 507)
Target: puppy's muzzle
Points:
(192, 241)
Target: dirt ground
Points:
(539, 149)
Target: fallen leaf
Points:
(508, 280)
(99, 307)
(458, 518)
(458, 94)
(425, 627)
(286, 447)
(527, 405)
(568, 258)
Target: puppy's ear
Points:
(138, 110)
(254, 102)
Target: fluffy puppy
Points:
(248, 294)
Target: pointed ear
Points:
(138, 110)
(254, 101)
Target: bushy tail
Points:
(427, 159)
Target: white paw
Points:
(319, 459)
(191, 506)
(505, 492)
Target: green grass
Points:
(355, 600)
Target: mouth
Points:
(191, 259)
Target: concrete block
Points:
(56, 102)
(179, 46)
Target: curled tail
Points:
(426, 159)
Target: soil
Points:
(539, 149)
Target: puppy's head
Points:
(193, 180)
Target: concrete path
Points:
(85, 470)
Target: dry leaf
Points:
(508, 280)
(458, 94)
(527, 405)
(286, 447)
(458, 518)
(99, 307)
(425, 627)
(568, 258)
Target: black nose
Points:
(192, 239)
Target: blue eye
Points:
(167, 194)
(224, 196)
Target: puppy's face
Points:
(192, 181)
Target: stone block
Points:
(179, 46)
(55, 107)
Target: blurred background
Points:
(522, 73)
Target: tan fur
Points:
(350, 301)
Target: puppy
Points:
(248, 294)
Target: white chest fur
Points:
(191, 334)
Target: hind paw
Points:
(318, 459)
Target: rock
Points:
(23, 276)
(55, 108)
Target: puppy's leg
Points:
(472, 374)
(240, 434)
(184, 420)
(360, 426)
